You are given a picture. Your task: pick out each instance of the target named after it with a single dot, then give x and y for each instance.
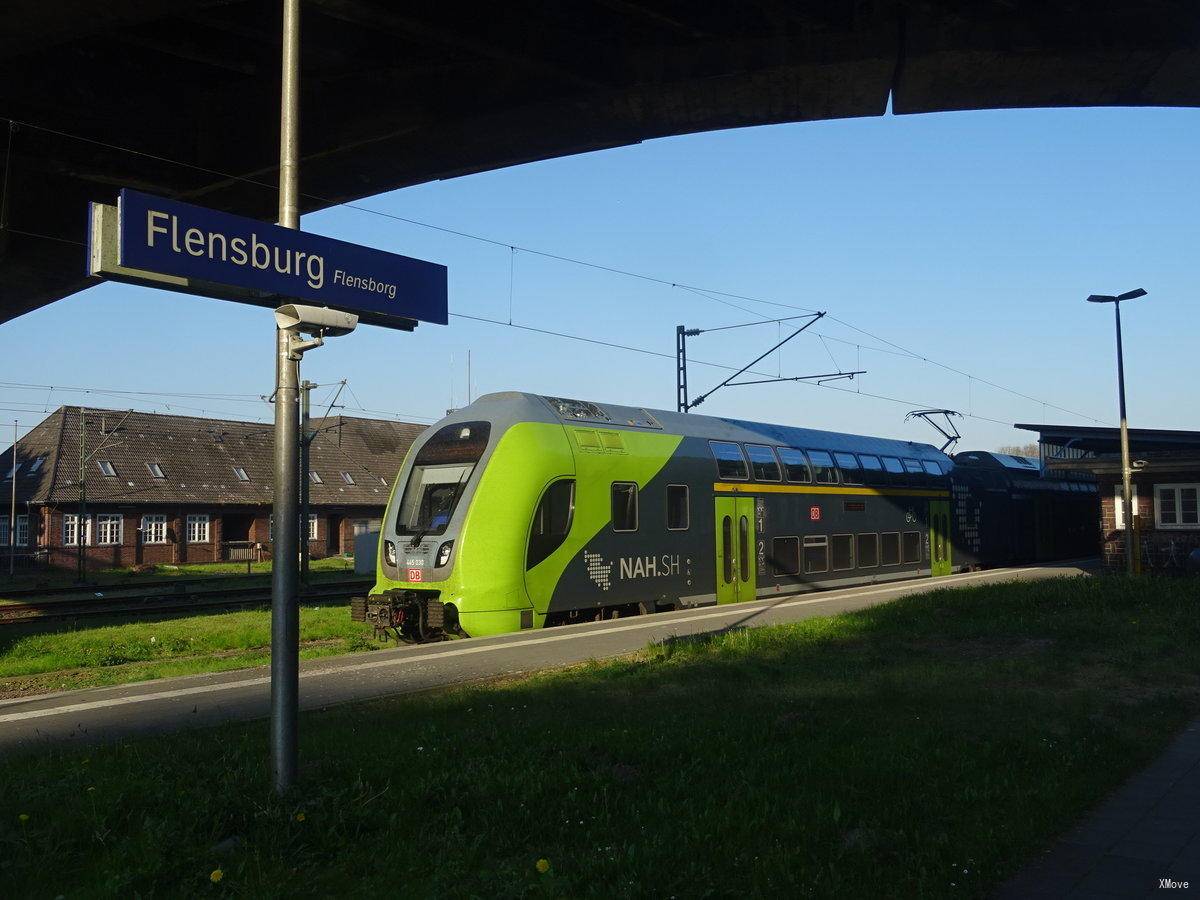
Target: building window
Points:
(107, 468)
(198, 528)
(270, 528)
(348, 478)
(35, 465)
(22, 536)
(624, 506)
(312, 526)
(730, 462)
(315, 477)
(154, 529)
(70, 530)
(822, 464)
(10, 471)
(816, 554)
(551, 521)
(108, 529)
(1119, 505)
(785, 556)
(155, 470)
(795, 465)
(678, 507)
(240, 473)
(1176, 505)
(762, 462)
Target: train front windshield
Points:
(439, 476)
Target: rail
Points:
(143, 601)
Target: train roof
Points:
(513, 406)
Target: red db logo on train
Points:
(814, 514)
(416, 575)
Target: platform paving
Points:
(1142, 841)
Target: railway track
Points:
(178, 598)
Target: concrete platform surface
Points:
(100, 714)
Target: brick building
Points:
(173, 489)
(1165, 488)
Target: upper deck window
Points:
(822, 465)
(730, 462)
(795, 465)
(932, 467)
(893, 465)
(851, 474)
(913, 466)
(762, 462)
(439, 476)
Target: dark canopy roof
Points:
(1092, 441)
(395, 94)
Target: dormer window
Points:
(315, 477)
(35, 465)
(348, 478)
(107, 468)
(155, 470)
(240, 473)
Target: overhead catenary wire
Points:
(711, 293)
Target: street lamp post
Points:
(1126, 489)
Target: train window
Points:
(842, 547)
(624, 506)
(730, 462)
(912, 546)
(932, 467)
(822, 465)
(913, 466)
(889, 549)
(678, 507)
(551, 521)
(727, 549)
(870, 463)
(785, 556)
(762, 462)
(816, 554)
(868, 551)
(439, 475)
(795, 465)
(892, 465)
(848, 464)
(744, 547)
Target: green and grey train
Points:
(523, 511)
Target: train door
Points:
(939, 537)
(735, 549)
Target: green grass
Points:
(33, 662)
(129, 576)
(926, 747)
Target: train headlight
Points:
(389, 553)
(443, 554)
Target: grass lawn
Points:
(925, 747)
(128, 577)
(39, 660)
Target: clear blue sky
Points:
(970, 238)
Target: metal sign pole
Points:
(12, 519)
(285, 614)
(306, 437)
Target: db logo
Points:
(814, 513)
(416, 575)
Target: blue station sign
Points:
(205, 246)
